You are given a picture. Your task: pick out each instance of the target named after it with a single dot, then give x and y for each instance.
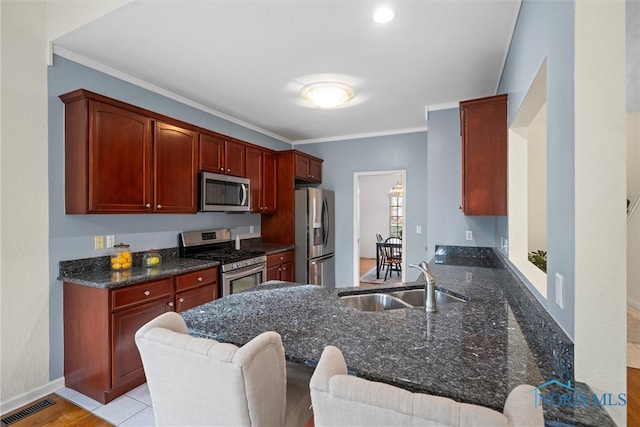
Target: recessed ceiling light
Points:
(327, 94)
(383, 15)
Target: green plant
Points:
(539, 259)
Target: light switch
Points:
(418, 229)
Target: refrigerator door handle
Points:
(317, 260)
(325, 222)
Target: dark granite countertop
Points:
(473, 352)
(95, 272)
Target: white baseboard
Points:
(30, 396)
(633, 303)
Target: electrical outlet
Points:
(111, 241)
(468, 276)
(559, 287)
(98, 242)
(469, 235)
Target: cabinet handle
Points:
(199, 279)
(159, 206)
(170, 304)
(181, 300)
(148, 205)
(147, 293)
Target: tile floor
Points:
(134, 408)
(131, 409)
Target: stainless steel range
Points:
(239, 269)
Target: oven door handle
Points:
(244, 271)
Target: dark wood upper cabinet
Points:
(235, 158)
(211, 157)
(279, 227)
(222, 155)
(175, 169)
(118, 161)
(483, 126)
(261, 170)
(307, 168)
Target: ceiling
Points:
(247, 61)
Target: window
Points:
(396, 197)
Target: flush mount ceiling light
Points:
(383, 15)
(327, 94)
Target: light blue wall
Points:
(343, 158)
(546, 30)
(447, 223)
(433, 189)
(71, 236)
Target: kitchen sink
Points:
(416, 297)
(395, 300)
(374, 302)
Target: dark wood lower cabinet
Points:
(126, 365)
(101, 359)
(280, 266)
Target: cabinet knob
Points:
(170, 304)
(148, 205)
(222, 169)
(147, 293)
(284, 268)
(199, 279)
(181, 300)
(159, 206)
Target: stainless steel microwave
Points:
(224, 193)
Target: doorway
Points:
(380, 201)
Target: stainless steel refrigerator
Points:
(315, 236)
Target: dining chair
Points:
(393, 257)
(344, 400)
(199, 381)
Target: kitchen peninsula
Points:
(474, 351)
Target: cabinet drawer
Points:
(197, 278)
(195, 297)
(137, 294)
(280, 258)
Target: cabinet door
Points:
(315, 170)
(287, 273)
(175, 185)
(195, 297)
(120, 164)
(269, 182)
(255, 173)
(273, 272)
(234, 158)
(301, 167)
(126, 365)
(211, 158)
(484, 156)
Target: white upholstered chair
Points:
(197, 381)
(343, 400)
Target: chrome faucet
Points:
(429, 287)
